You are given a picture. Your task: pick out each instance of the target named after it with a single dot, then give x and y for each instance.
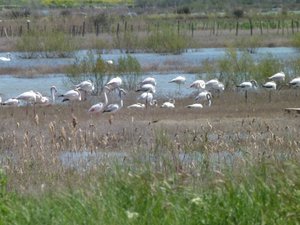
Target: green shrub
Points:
(46, 44)
(167, 40)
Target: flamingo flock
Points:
(145, 91)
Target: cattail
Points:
(36, 119)
(74, 121)
(63, 133)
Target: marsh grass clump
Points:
(49, 44)
(166, 40)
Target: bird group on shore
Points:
(146, 89)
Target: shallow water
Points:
(190, 57)
(11, 86)
(86, 160)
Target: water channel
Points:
(11, 85)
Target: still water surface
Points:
(11, 86)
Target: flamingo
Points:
(7, 58)
(113, 108)
(147, 88)
(214, 86)
(277, 77)
(86, 86)
(71, 95)
(148, 98)
(198, 84)
(271, 85)
(148, 80)
(170, 104)
(204, 96)
(178, 80)
(110, 62)
(11, 102)
(97, 108)
(195, 106)
(136, 106)
(30, 97)
(295, 83)
(248, 86)
(43, 100)
(114, 83)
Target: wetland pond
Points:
(11, 85)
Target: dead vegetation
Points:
(31, 145)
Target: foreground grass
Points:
(232, 163)
(264, 194)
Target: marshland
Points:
(235, 162)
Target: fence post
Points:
(251, 26)
(118, 29)
(20, 30)
(83, 29)
(28, 25)
(237, 28)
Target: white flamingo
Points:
(277, 77)
(113, 108)
(170, 104)
(43, 100)
(214, 85)
(30, 97)
(295, 83)
(198, 84)
(147, 88)
(136, 106)
(204, 96)
(195, 106)
(11, 102)
(71, 95)
(114, 83)
(148, 98)
(97, 108)
(148, 80)
(271, 85)
(179, 81)
(110, 62)
(86, 86)
(7, 58)
(248, 86)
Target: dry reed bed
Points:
(31, 146)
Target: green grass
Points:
(264, 193)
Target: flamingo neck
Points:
(105, 98)
(53, 95)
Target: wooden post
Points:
(28, 25)
(261, 28)
(83, 28)
(237, 28)
(178, 27)
(20, 30)
(118, 29)
(251, 26)
(192, 29)
(97, 29)
(73, 30)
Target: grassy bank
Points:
(267, 192)
(230, 163)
